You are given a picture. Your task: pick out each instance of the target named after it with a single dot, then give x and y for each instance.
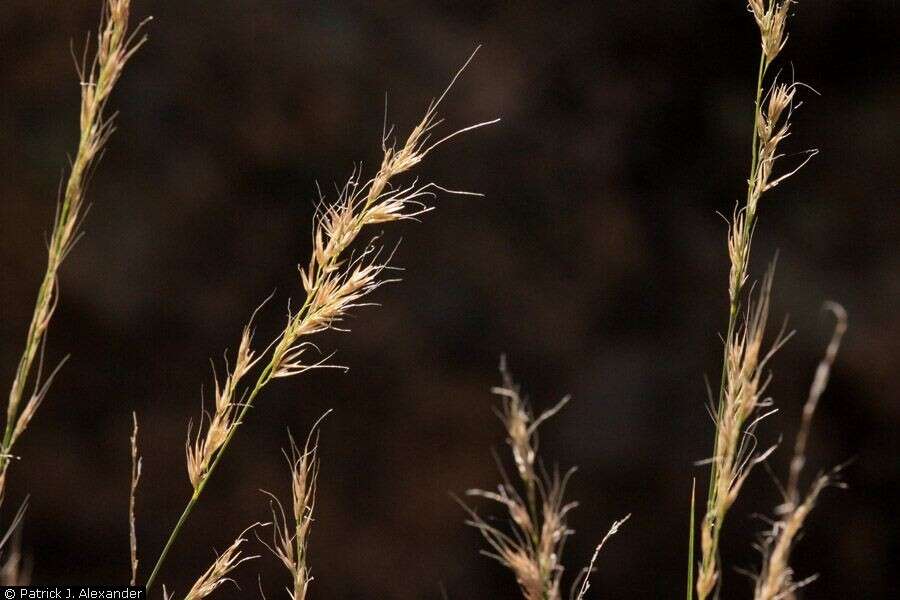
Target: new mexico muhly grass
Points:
(345, 267)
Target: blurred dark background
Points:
(596, 261)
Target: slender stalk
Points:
(713, 518)
(690, 566)
(195, 497)
(132, 494)
(735, 299)
(754, 155)
(264, 378)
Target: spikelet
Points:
(218, 572)
(202, 449)
(586, 574)
(333, 283)
(776, 579)
(771, 17)
(772, 124)
(744, 406)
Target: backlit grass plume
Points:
(337, 278)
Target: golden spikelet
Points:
(218, 572)
(201, 449)
(771, 17)
(742, 408)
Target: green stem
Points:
(751, 217)
(690, 567)
(735, 301)
(24, 368)
(165, 552)
(754, 155)
(264, 378)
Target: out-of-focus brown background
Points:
(596, 260)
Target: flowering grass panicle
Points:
(335, 280)
(200, 451)
(345, 267)
(776, 578)
(744, 406)
(741, 400)
(533, 548)
(115, 45)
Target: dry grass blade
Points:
(15, 569)
(820, 381)
(776, 578)
(115, 45)
(135, 479)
